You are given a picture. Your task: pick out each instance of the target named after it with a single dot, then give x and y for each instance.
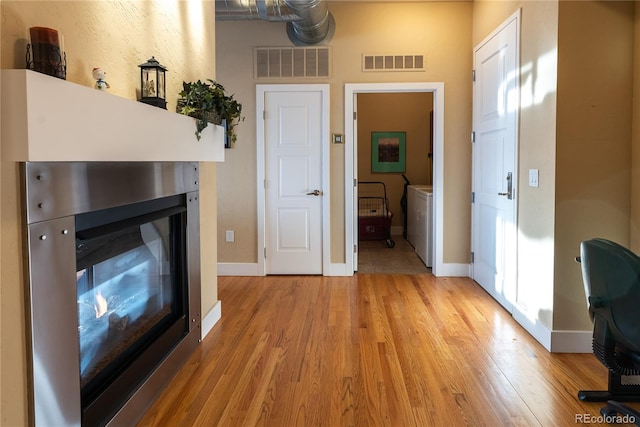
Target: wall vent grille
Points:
(392, 63)
(304, 62)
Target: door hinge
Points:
(473, 256)
(473, 197)
(355, 115)
(264, 114)
(355, 182)
(265, 253)
(355, 249)
(473, 75)
(473, 136)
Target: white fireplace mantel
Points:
(46, 119)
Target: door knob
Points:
(314, 193)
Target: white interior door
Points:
(293, 185)
(495, 119)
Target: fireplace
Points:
(114, 285)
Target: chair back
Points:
(611, 277)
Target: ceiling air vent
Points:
(304, 62)
(392, 63)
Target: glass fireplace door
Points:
(131, 277)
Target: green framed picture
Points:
(388, 152)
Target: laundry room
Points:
(395, 181)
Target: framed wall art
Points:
(388, 152)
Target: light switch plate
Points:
(533, 177)
(229, 236)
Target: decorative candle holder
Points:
(44, 54)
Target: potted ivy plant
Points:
(208, 102)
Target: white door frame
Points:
(351, 158)
(261, 170)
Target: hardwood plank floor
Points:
(371, 350)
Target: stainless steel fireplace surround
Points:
(56, 195)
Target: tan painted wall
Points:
(593, 142)
(116, 36)
(440, 31)
(405, 112)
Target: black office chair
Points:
(611, 276)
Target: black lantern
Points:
(152, 83)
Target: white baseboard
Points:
(571, 341)
(454, 270)
(250, 269)
(210, 319)
(338, 269)
(238, 269)
(554, 341)
(540, 332)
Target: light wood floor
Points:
(372, 350)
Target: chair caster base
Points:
(617, 413)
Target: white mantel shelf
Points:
(46, 119)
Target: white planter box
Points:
(46, 119)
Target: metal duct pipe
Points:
(308, 21)
(266, 10)
(314, 24)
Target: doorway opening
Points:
(355, 164)
(394, 154)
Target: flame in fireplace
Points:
(100, 305)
